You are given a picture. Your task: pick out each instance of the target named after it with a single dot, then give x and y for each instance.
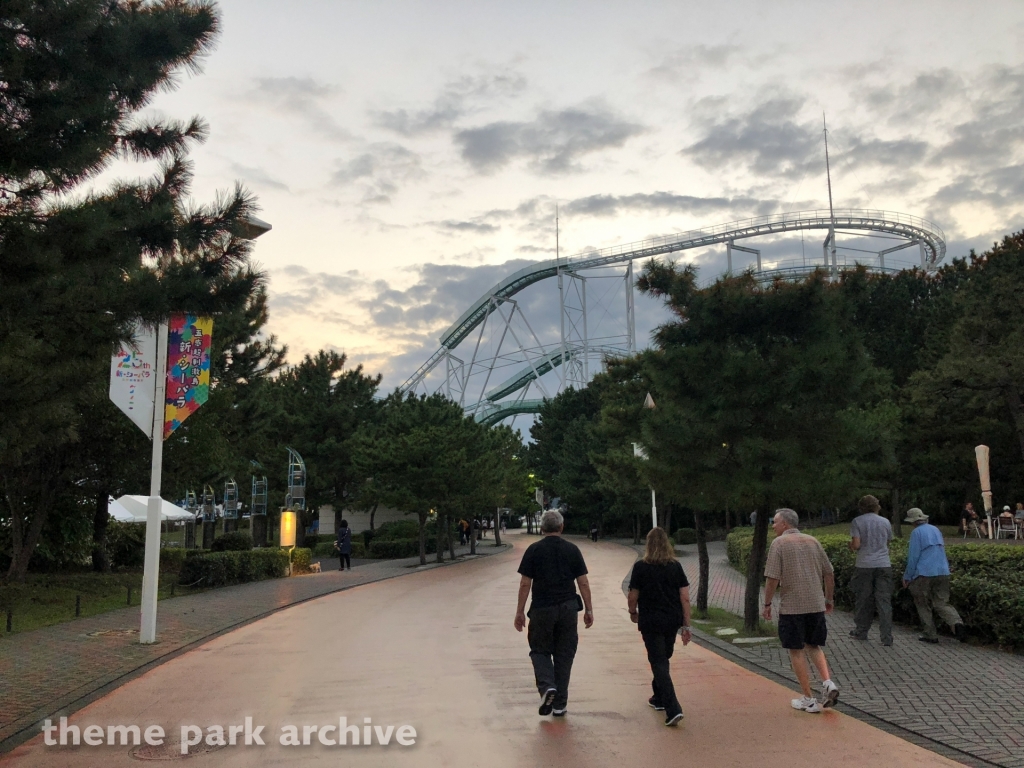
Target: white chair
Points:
(971, 526)
(1006, 526)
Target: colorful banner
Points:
(133, 378)
(188, 368)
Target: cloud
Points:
(553, 143)
(455, 101)
(690, 60)
(379, 171)
(304, 97)
(476, 227)
(768, 139)
(257, 177)
(664, 202)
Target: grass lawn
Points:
(718, 618)
(45, 599)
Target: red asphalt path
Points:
(436, 650)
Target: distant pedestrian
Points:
(798, 566)
(593, 532)
(927, 577)
(504, 525)
(344, 546)
(549, 568)
(463, 527)
(476, 529)
(969, 517)
(659, 602)
(872, 581)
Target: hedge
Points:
(326, 549)
(986, 584)
(172, 558)
(399, 548)
(216, 569)
(301, 558)
(685, 536)
(235, 541)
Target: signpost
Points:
(158, 382)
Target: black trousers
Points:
(346, 561)
(659, 650)
(554, 637)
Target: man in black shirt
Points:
(552, 567)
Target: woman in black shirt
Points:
(659, 601)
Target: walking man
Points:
(800, 565)
(872, 582)
(659, 602)
(549, 568)
(927, 576)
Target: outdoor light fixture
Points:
(288, 528)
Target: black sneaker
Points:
(857, 635)
(655, 705)
(546, 704)
(932, 640)
(558, 712)
(673, 719)
(960, 631)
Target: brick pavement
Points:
(965, 698)
(61, 668)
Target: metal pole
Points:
(586, 339)
(728, 257)
(654, 510)
(831, 212)
(561, 317)
(151, 569)
(630, 312)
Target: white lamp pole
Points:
(151, 570)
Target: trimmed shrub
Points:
(685, 536)
(235, 541)
(408, 528)
(326, 549)
(399, 548)
(986, 584)
(301, 558)
(126, 544)
(216, 569)
(171, 559)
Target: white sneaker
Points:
(807, 704)
(829, 694)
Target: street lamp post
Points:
(639, 452)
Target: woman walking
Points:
(659, 601)
(344, 546)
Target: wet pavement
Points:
(436, 650)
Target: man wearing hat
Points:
(927, 576)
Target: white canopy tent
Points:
(134, 507)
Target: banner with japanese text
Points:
(133, 378)
(188, 368)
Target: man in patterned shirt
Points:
(798, 566)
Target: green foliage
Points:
(301, 558)
(172, 558)
(400, 529)
(685, 536)
(235, 541)
(126, 544)
(216, 569)
(986, 584)
(327, 549)
(391, 549)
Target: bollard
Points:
(78, 606)
(129, 595)
(10, 621)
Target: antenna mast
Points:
(831, 211)
(556, 234)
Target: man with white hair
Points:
(551, 568)
(799, 564)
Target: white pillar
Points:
(151, 568)
(654, 511)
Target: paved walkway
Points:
(63, 667)
(437, 651)
(965, 698)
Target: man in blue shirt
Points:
(927, 576)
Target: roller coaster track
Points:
(916, 231)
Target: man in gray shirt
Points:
(872, 582)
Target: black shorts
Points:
(799, 629)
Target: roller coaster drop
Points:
(589, 334)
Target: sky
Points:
(410, 155)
